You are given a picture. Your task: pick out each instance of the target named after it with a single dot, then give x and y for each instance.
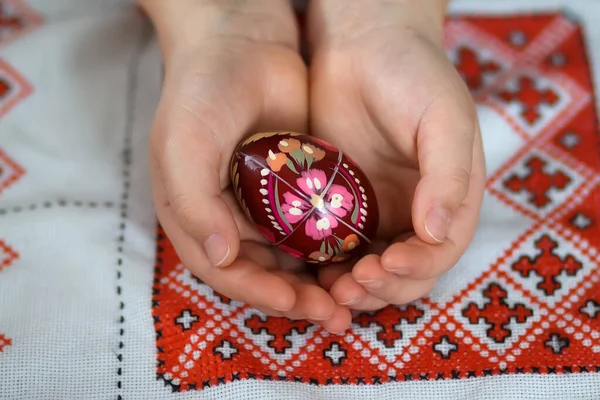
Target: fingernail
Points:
(349, 302)
(335, 333)
(437, 221)
(312, 317)
(372, 284)
(217, 249)
(402, 271)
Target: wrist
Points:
(183, 24)
(334, 21)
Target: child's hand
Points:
(231, 69)
(383, 90)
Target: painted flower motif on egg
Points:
(304, 195)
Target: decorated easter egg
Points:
(304, 196)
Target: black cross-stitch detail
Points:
(127, 150)
(330, 349)
(61, 203)
(556, 343)
(451, 350)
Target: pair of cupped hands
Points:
(379, 87)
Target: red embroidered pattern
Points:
(13, 88)
(10, 171)
(16, 19)
(7, 257)
(532, 307)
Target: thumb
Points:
(445, 140)
(193, 192)
(192, 142)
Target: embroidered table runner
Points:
(94, 302)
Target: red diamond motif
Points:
(16, 20)
(579, 138)
(7, 255)
(13, 88)
(581, 220)
(10, 171)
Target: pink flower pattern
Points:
(337, 200)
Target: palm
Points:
(395, 104)
(368, 103)
(212, 99)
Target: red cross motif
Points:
(530, 98)
(547, 265)
(388, 321)
(496, 313)
(279, 328)
(472, 69)
(538, 182)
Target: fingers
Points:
(418, 259)
(205, 109)
(312, 302)
(248, 277)
(245, 280)
(349, 293)
(339, 321)
(445, 143)
(370, 287)
(190, 170)
(191, 142)
(387, 286)
(316, 305)
(329, 275)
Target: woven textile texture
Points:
(94, 303)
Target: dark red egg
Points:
(304, 196)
